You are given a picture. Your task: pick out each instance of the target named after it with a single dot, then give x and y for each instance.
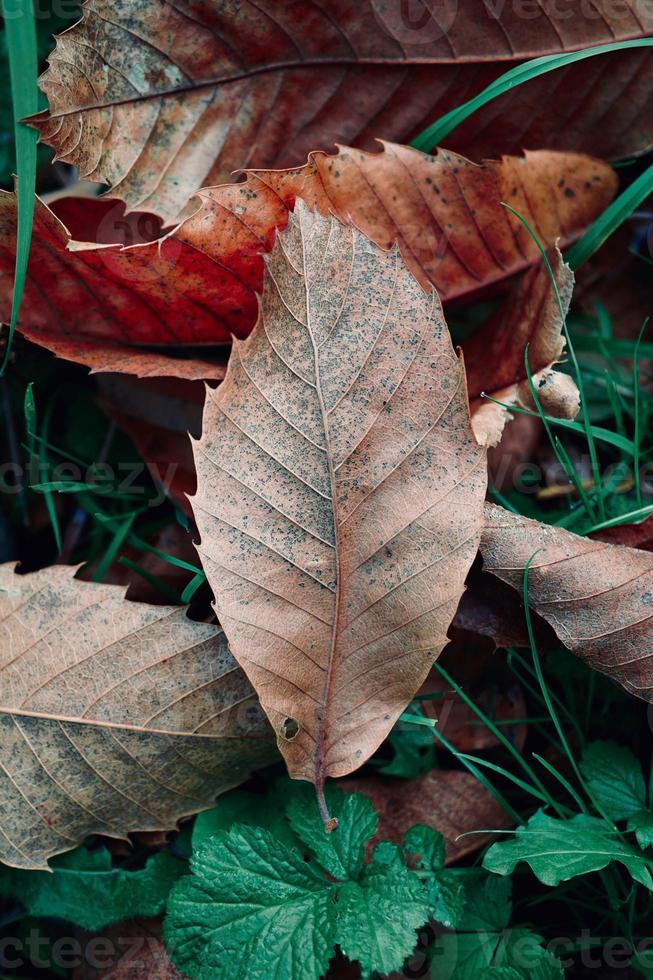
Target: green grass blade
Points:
(613, 216)
(23, 70)
(153, 580)
(632, 517)
(637, 417)
(603, 435)
(38, 457)
(498, 734)
(114, 547)
(439, 130)
(476, 772)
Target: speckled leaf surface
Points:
(339, 493)
(115, 716)
(443, 211)
(129, 307)
(156, 99)
(598, 597)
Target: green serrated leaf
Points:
(85, 890)
(388, 855)
(558, 850)
(426, 845)
(463, 956)
(377, 919)
(255, 907)
(446, 896)
(241, 807)
(616, 779)
(502, 973)
(414, 752)
(504, 955)
(522, 950)
(249, 894)
(340, 852)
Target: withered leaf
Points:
(528, 321)
(444, 212)
(339, 493)
(598, 597)
(450, 801)
(115, 716)
(102, 304)
(158, 414)
(156, 101)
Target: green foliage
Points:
(276, 894)
(617, 780)
(485, 946)
(47, 23)
(19, 23)
(413, 751)
(85, 890)
(558, 850)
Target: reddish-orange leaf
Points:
(104, 306)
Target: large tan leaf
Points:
(339, 493)
(598, 597)
(103, 304)
(156, 99)
(115, 716)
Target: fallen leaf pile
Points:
(280, 339)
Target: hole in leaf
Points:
(289, 729)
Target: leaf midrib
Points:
(340, 62)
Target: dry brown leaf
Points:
(339, 493)
(131, 950)
(494, 354)
(158, 414)
(115, 716)
(155, 100)
(452, 802)
(518, 448)
(461, 725)
(631, 535)
(489, 608)
(597, 597)
(101, 304)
